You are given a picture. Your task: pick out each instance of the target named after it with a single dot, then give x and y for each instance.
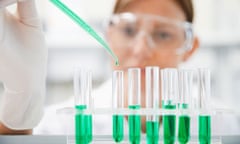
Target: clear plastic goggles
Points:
(160, 33)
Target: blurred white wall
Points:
(217, 25)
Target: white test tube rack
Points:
(143, 112)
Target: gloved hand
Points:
(23, 60)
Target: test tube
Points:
(134, 102)
(83, 100)
(185, 78)
(118, 102)
(204, 119)
(169, 79)
(152, 102)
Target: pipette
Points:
(85, 26)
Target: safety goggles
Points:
(159, 32)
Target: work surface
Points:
(40, 139)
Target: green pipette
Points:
(85, 26)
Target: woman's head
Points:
(150, 32)
(185, 5)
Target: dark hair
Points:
(185, 5)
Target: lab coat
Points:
(53, 123)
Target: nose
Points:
(142, 45)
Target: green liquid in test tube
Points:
(169, 96)
(204, 119)
(89, 128)
(152, 102)
(169, 124)
(184, 127)
(85, 26)
(118, 128)
(83, 126)
(204, 129)
(118, 102)
(134, 103)
(152, 132)
(185, 78)
(82, 93)
(134, 126)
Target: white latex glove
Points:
(23, 60)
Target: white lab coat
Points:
(102, 124)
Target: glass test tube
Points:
(83, 100)
(118, 102)
(204, 120)
(134, 102)
(169, 79)
(152, 102)
(185, 78)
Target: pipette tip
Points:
(117, 63)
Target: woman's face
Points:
(144, 39)
(140, 45)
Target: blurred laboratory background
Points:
(217, 24)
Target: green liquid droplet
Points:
(152, 132)
(118, 128)
(117, 63)
(83, 127)
(134, 122)
(204, 129)
(169, 125)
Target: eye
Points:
(162, 35)
(129, 30)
